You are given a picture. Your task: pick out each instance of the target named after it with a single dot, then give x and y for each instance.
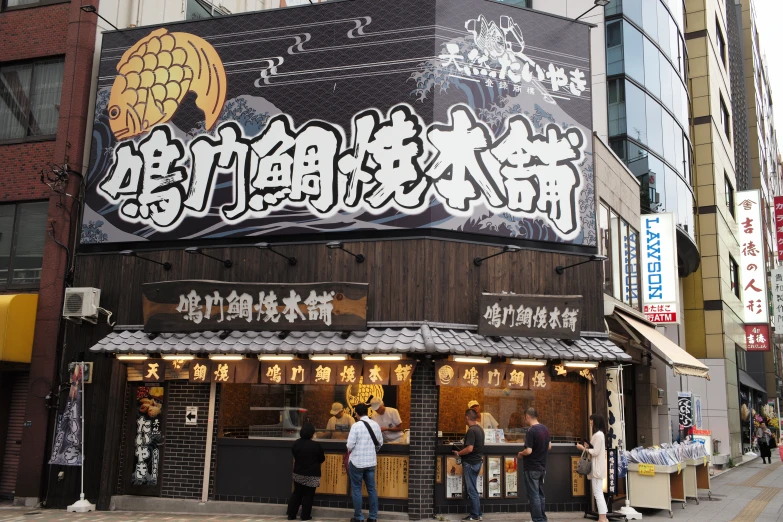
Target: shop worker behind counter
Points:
(364, 441)
(537, 446)
(389, 420)
(472, 459)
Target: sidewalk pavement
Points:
(751, 492)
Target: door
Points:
(13, 436)
(145, 439)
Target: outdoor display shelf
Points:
(659, 490)
(696, 476)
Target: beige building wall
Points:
(712, 311)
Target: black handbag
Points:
(584, 466)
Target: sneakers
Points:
(471, 518)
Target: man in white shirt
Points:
(339, 424)
(362, 461)
(389, 420)
(485, 420)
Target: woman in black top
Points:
(308, 456)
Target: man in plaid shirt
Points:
(362, 461)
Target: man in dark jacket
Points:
(308, 456)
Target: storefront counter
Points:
(501, 484)
(260, 470)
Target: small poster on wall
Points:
(480, 481)
(493, 477)
(453, 478)
(510, 465)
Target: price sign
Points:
(647, 470)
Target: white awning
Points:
(680, 361)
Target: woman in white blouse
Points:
(597, 450)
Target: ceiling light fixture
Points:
(132, 357)
(382, 357)
(275, 357)
(471, 360)
(227, 357)
(328, 357)
(177, 357)
(527, 362)
(581, 364)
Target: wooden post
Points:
(115, 412)
(208, 452)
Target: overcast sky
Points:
(769, 14)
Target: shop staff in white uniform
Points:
(485, 420)
(389, 420)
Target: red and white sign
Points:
(778, 204)
(661, 313)
(757, 337)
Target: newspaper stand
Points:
(656, 487)
(696, 476)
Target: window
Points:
(729, 193)
(22, 235)
(721, 42)
(604, 240)
(519, 3)
(198, 9)
(734, 276)
(10, 4)
(619, 242)
(279, 410)
(30, 98)
(561, 408)
(742, 363)
(724, 118)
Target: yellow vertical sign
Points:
(577, 480)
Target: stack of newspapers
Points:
(667, 454)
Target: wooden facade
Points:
(409, 280)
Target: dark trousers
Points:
(766, 453)
(302, 495)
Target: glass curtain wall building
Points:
(648, 104)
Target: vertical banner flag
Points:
(777, 299)
(660, 285)
(613, 407)
(685, 407)
(67, 450)
(753, 270)
(778, 203)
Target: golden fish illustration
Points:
(156, 74)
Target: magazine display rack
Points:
(696, 476)
(658, 490)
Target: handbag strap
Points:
(372, 434)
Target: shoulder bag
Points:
(372, 436)
(584, 466)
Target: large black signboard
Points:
(194, 306)
(557, 317)
(461, 115)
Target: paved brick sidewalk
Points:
(753, 492)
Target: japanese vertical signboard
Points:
(753, 270)
(778, 208)
(146, 429)
(660, 284)
(777, 299)
(685, 409)
(459, 126)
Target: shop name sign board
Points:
(520, 315)
(753, 268)
(660, 284)
(195, 306)
(777, 299)
(778, 203)
(449, 373)
(475, 125)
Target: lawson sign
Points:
(660, 287)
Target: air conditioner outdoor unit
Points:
(82, 304)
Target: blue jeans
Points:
(534, 484)
(470, 473)
(368, 476)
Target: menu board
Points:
(334, 478)
(510, 465)
(391, 478)
(493, 477)
(453, 478)
(577, 480)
